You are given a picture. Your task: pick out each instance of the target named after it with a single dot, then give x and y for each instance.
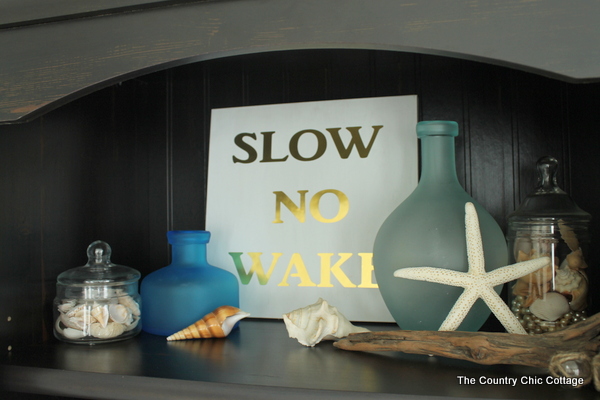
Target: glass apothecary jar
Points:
(549, 223)
(97, 302)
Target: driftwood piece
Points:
(484, 347)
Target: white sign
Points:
(297, 193)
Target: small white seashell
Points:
(66, 305)
(573, 283)
(567, 279)
(130, 303)
(551, 307)
(69, 333)
(72, 322)
(100, 313)
(120, 314)
(78, 311)
(316, 322)
(132, 325)
(112, 329)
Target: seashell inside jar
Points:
(555, 296)
(548, 223)
(98, 302)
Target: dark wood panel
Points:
(25, 12)
(91, 170)
(22, 270)
(136, 174)
(266, 78)
(441, 94)
(540, 128)
(189, 138)
(584, 146)
(488, 111)
(394, 73)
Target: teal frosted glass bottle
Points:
(186, 290)
(428, 229)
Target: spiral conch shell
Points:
(216, 324)
(317, 322)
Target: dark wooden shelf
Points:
(257, 361)
(54, 55)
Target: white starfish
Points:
(477, 282)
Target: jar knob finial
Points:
(98, 253)
(547, 168)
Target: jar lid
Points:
(548, 200)
(99, 270)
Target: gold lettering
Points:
(239, 141)
(327, 270)
(344, 206)
(321, 145)
(268, 146)
(355, 141)
(263, 278)
(301, 272)
(298, 212)
(366, 271)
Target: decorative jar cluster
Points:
(549, 224)
(97, 302)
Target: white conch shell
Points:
(216, 324)
(112, 329)
(317, 322)
(551, 307)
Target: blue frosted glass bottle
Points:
(428, 229)
(181, 293)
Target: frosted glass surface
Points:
(180, 294)
(428, 229)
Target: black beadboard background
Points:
(128, 162)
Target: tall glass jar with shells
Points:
(549, 223)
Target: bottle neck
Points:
(438, 163)
(189, 254)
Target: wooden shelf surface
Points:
(258, 360)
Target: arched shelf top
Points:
(48, 60)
